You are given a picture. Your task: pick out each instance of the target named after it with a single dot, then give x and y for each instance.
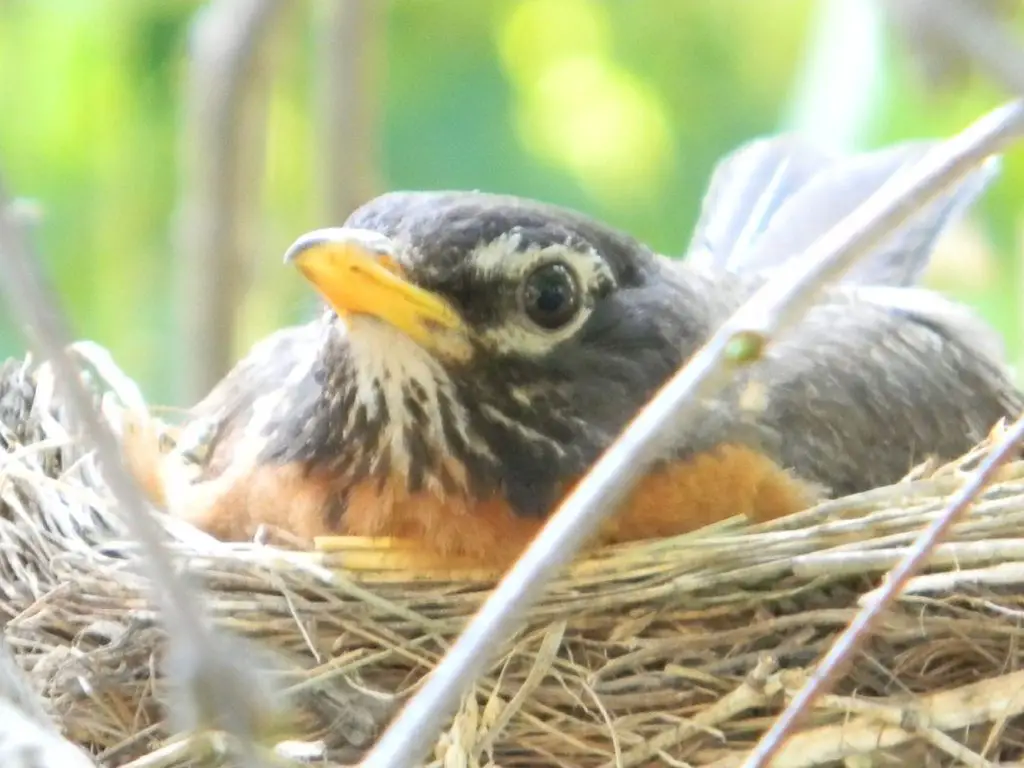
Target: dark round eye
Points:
(551, 296)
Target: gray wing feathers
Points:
(954, 321)
(276, 368)
(746, 190)
(882, 372)
(268, 364)
(771, 199)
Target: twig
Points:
(545, 658)
(972, 29)
(841, 653)
(25, 728)
(347, 74)
(908, 719)
(961, 554)
(969, 705)
(1002, 575)
(27, 744)
(212, 672)
(221, 152)
(773, 309)
(15, 688)
(755, 691)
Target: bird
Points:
(477, 352)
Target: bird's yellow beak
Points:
(356, 272)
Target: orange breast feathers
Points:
(727, 481)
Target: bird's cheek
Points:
(454, 346)
(517, 341)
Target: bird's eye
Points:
(550, 296)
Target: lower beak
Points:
(355, 271)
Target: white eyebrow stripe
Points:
(504, 258)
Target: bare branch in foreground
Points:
(871, 726)
(28, 737)
(772, 310)
(841, 653)
(215, 672)
(24, 743)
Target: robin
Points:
(477, 353)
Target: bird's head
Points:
(483, 344)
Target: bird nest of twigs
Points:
(670, 652)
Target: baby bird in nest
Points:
(478, 352)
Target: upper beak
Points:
(356, 272)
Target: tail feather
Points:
(769, 200)
(746, 190)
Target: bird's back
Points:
(864, 392)
(881, 373)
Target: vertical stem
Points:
(348, 69)
(221, 154)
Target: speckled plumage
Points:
(871, 382)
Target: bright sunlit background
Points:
(619, 108)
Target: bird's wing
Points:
(277, 368)
(226, 429)
(770, 199)
(875, 387)
(954, 321)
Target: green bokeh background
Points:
(617, 108)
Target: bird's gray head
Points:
(481, 344)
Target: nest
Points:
(673, 652)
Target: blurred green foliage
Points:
(617, 108)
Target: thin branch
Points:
(25, 727)
(869, 726)
(221, 150)
(348, 70)
(772, 310)
(841, 653)
(986, 43)
(26, 737)
(756, 690)
(972, 29)
(16, 689)
(213, 672)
